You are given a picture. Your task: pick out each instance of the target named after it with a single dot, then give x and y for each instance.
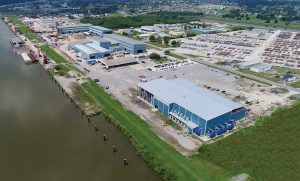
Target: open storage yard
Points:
(284, 51)
(223, 46)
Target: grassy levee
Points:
(52, 54)
(270, 150)
(23, 29)
(160, 156)
(59, 59)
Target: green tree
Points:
(154, 56)
(190, 34)
(174, 43)
(166, 40)
(167, 52)
(152, 38)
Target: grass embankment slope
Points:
(87, 102)
(255, 21)
(148, 19)
(268, 151)
(22, 28)
(59, 59)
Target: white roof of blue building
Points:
(85, 49)
(74, 26)
(101, 28)
(122, 38)
(199, 101)
(97, 47)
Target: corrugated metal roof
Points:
(74, 26)
(100, 28)
(122, 38)
(85, 49)
(262, 66)
(97, 47)
(199, 101)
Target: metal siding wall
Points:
(221, 120)
(155, 103)
(171, 106)
(166, 111)
(162, 108)
(189, 114)
(239, 115)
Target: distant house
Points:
(288, 77)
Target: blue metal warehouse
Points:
(129, 45)
(90, 49)
(192, 107)
(73, 28)
(99, 30)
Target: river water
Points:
(43, 137)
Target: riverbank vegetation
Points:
(142, 20)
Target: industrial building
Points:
(247, 64)
(73, 28)
(204, 31)
(199, 111)
(261, 67)
(122, 61)
(90, 49)
(99, 30)
(129, 45)
(53, 22)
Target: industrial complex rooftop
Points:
(122, 38)
(73, 26)
(199, 101)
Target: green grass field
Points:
(268, 151)
(177, 56)
(263, 75)
(159, 45)
(52, 54)
(295, 84)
